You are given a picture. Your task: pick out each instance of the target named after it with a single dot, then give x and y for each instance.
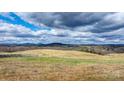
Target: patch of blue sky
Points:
(17, 20)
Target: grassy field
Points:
(51, 64)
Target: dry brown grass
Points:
(58, 71)
(59, 53)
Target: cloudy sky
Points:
(62, 27)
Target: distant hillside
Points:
(102, 49)
(97, 49)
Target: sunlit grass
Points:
(64, 56)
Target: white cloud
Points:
(115, 18)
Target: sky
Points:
(62, 27)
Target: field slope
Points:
(51, 64)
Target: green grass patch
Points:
(71, 61)
(50, 60)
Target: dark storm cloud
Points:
(107, 26)
(99, 22)
(67, 19)
(73, 20)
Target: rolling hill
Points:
(61, 63)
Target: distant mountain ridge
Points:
(57, 44)
(101, 49)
